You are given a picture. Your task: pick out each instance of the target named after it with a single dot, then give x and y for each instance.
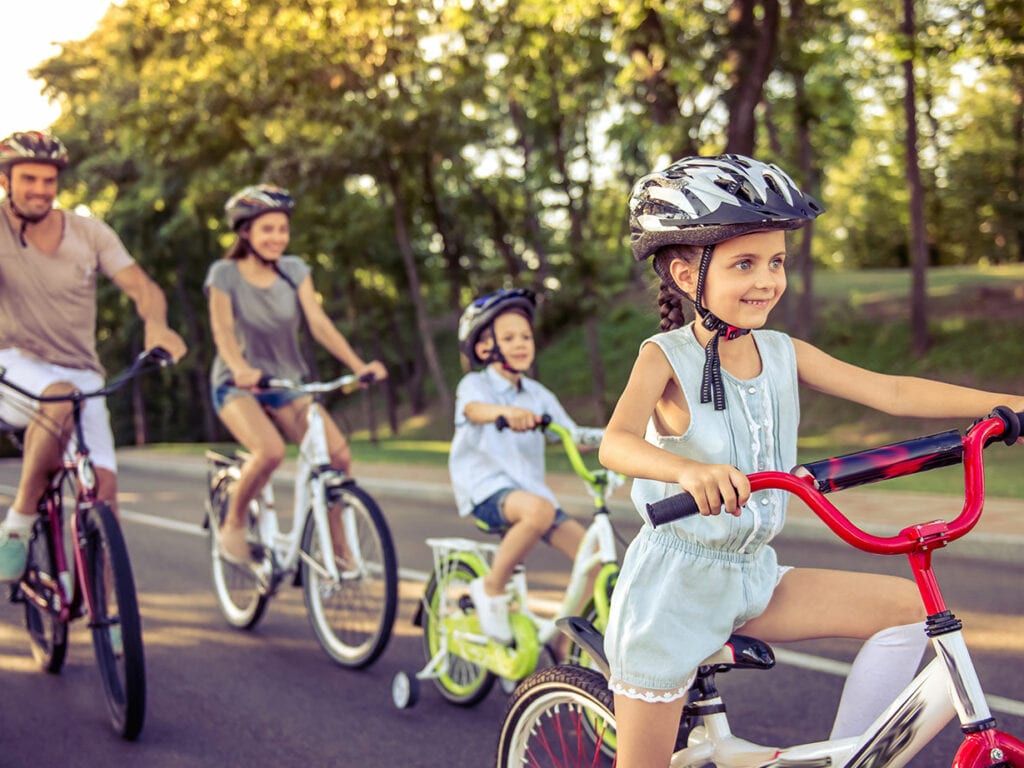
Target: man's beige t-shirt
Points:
(48, 303)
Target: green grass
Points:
(975, 321)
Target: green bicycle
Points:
(461, 660)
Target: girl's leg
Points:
(251, 427)
(884, 610)
(645, 731)
(291, 419)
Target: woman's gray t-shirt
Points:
(267, 320)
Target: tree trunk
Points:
(918, 242)
(415, 291)
(751, 56)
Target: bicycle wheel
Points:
(560, 716)
(115, 624)
(352, 617)
(48, 635)
(239, 589)
(461, 682)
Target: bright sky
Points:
(32, 33)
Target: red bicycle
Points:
(564, 716)
(97, 582)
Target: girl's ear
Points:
(684, 275)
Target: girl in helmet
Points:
(499, 478)
(258, 298)
(708, 403)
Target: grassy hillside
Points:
(976, 319)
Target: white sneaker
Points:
(492, 610)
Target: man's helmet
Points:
(32, 147)
(705, 200)
(246, 204)
(479, 315)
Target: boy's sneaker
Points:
(13, 554)
(492, 610)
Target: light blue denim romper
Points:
(685, 587)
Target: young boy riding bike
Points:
(498, 477)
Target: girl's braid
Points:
(670, 307)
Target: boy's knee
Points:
(536, 512)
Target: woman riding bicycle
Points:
(708, 403)
(499, 478)
(258, 298)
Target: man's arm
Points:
(151, 307)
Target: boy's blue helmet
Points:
(479, 315)
(705, 200)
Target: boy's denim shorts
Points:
(490, 514)
(276, 398)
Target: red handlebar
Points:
(810, 482)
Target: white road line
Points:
(999, 704)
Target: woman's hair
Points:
(671, 303)
(240, 248)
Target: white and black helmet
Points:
(705, 200)
(32, 147)
(250, 202)
(479, 315)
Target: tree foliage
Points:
(442, 148)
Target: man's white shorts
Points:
(35, 376)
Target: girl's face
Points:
(269, 234)
(514, 336)
(745, 279)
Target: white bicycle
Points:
(564, 716)
(349, 582)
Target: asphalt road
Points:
(221, 697)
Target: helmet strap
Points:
(23, 217)
(712, 389)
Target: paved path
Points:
(998, 536)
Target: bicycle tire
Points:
(240, 594)
(47, 634)
(462, 682)
(353, 617)
(115, 623)
(558, 717)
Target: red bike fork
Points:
(989, 748)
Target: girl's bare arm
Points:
(895, 395)
(625, 450)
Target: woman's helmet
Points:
(250, 202)
(32, 147)
(705, 200)
(479, 315)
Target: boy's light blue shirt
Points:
(483, 460)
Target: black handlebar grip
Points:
(1012, 421)
(673, 508)
(368, 378)
(264, 382)
(501, 422)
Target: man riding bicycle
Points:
(48, 264)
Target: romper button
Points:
(752, 390)
(763, 502)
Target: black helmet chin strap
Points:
(711, 387)
(24, 218)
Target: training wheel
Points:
(405, 690)
(507, 685)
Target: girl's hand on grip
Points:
(714, 486)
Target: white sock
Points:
(886, 663)
(19, 523)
